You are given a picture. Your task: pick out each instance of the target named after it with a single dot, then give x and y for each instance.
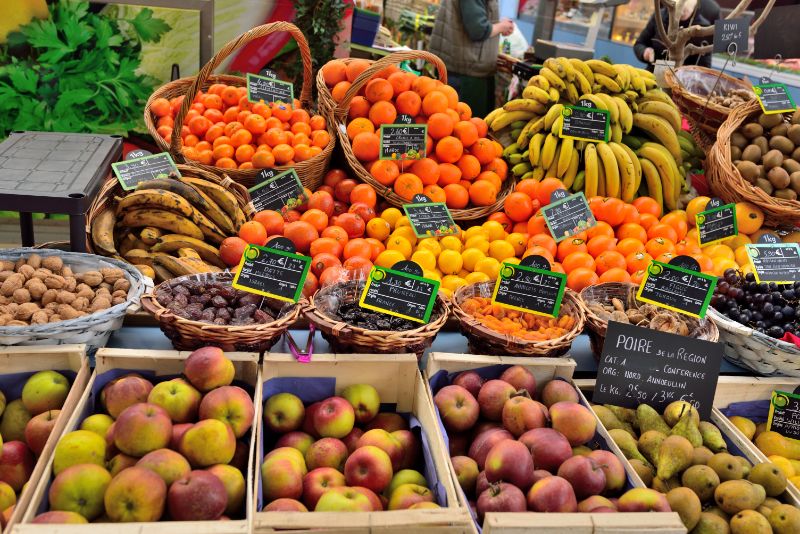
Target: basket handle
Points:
(340, 112)
(228, 49)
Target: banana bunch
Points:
(647, 152)
(169, 227)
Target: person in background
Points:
(649, 48)
(466, 36)
(709, 9)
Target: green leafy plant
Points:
(76, 72)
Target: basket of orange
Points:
(460, 165)
(497, 330)
(207, 121)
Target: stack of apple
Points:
(340, 455)
(512, 453)
(163, 451)
(25, 426)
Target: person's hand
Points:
(506, 27)
(649, 55)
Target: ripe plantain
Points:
(149, 235)
(103, 233)
(166, 220)
(146, 270)
(223, 205)
(139, 257)
(172, 242)
(155, 199)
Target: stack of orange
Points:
(462, 166)
(223, 128)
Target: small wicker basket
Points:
(187, 334)
(344, 337)
(310, 171)
(93, 329)
(483, 340)
(727, 182)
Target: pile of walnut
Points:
(646, 315)
(732, 99)
(40, 290)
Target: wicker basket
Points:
(753, 350)
(93, 329)
(340, 112)
(727, 183)
(603, 293)
(483, 340)
(310, 171)
(186, 334)
(344, 337)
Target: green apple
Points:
(98, 423)
(406, 476)
(80, 489)
(15, 419)
(79, 447)
(365, 400)
(343, 499)
(7, 496)
(178, 398)
(46, 390)
(235, 486)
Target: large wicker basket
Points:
(310, 171)
(344, 337)
(186, 334)
(483, 340)
(93, 329)
(753, 350)
(626, 293)
(341, 110)
(727, 183)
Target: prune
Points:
(219, 302)
(249, 298)
(355, 315)
(244, 311)
(223, 313)
(181, 290)
(261, 316)
(181, 300)
(228, 292)
(243, 321)
(220, 321)
(208, 315)
(204, 299)
(164, 298)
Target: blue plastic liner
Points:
(365, 26)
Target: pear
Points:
(769, 476)
(627, 445)
(712, 437)
(15, 418)
(674, 456)
(649, 419)
(687, 428)
(745, 426)
(675, 410)
(644, 471)
(701, 455)
(610, 421)
(664, 486)
(650, 444)
(727, 466)
(626, 415)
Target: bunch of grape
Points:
(769, 308)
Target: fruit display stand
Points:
(158, 365)
(399, 383)
(18, 364)
(545, 370)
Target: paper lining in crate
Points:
(442, 368)
(399, 384)
(156, 366)
(18, 364)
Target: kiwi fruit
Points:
(762, 173)
(752, 130)
(793, 133)
(748, 170)
(738, 140)
(796, 154)
(796, 117)
(787, 194)
(762, 143)
(781, 143)
(752, 153)
(763, 184)
(770, 121)
(771, 159)
(778, 177)
(736, 153)
(791, 165)
(780, 129)
(794, 181)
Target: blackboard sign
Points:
(281, 193)
(731, 35)
(716, 224)
(266, 174)
(784, 414)
(404, 119)
(268, 89)
(677, 289)
(399, 141)
(400, 294)
(523, 71)
(584, 124)
(774, 98)
(568, 217)
(430, 219)
(272, 273)
(779, 263)
(643, 366)
(132, 171)
(529, 289)
(137, 153)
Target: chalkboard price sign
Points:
(716, 224)
(779, 263)
(132, 171)
(268, 89)
(400, 294)
(280, 193)
(272, 273)
(401, 141)
(584, 124)
(568, 217)
(429, 219)
(730, 35)
(784, 414)
(643, 366)
(529, 289)
(774, 98)
(677, 289)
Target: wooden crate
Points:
(398, 381)
(546, 369)
(160, 363)
(30, 360)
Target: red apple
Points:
(179, 398)
(501, 497)
(334, 418)
(492, 397)
(584, 474)
(521, 414)
(512, 462)
(16, 464)
(552, 494)
(484, 442)
(411, 448)
(388, 422)
(230, 404)
(124, 392)
(39, 428)
(469, 380)
(142, 428)
(241, 456)
(199, 496)
(296, 439)
(558, 391)
(208, 368)
(282, 476)
(386, 442)
(375, 500)
(466, 473)
(317, 482)
(575, 421)
(59, 518)
(284, 412)
(177, 432)
(482, 484)
(612, 468)
(643, 500)
(595, 501)
(483, 426)
(370, 467)
(285, 505)
(539, 474)
(458, 443)
(549, 447)
(408, 495)
(457, 407)
(352, 438)
(326, 452)
(521, 379)
(135, 495)
(365, 401)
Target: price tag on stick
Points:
(428, 218)
(268, 89)
(731, 35)
(585, 122)
(676, 288)
(400, 293)
(273, 271)
(784, 414)
(132, 171)
(643, 366)
(774, 98)
(779, 262)
(568, 216)
(716, 224)
(530, 287)
(280, 193)
(403, 141)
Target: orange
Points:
(630, 245)
(254, 233)
(255, 124)
(366, 146)
(336, 232)
(483, 193)
(423, 85)
(325, 246)
(359, 108)
(546, 188)
(499, 167)
(599, 244)
(638, 261)
(632, 215)
(503, 219)
(695, 206)
(407, 185)
(241, 137)
(678, 221)
(483, 149)
(382, 113)
(364, 193)
(400, 82)
(435, 193)
(378, 89)
(456, 196)
(665, 257)
(299, 128)
(544, 241)
(214, 115)
(409, 103)
(570, 245)
(160, 107)
(610, 211)
(333, 72)
(609, 259)
(440, 125)
(434, 102)
(317, 122)
(491, 177)
(199, 126)
(358, 247)
(464, 112)
(634, 231)
(581, 278)
(281, 111)
(320, 138)
(385, 171)
(244, 153)
(687, 246)
(470, 166)
(263, 159)
(659, 245)
(615, 274)
(359, 125)
(662, 230)
(449, 150)
(647, 220)
(448, 174)
(466, 132)
(283, 154)
(339, 90)
(527, 186)
(537, 224)
(637, 276)
(211, 101)
(223, 151)
(316, 218)
(749, 217)
(301, 233)
(600, 229)
(427, 170)
(356, 67)
(321, 200)
(375, 244)
(576, 260)
(231, 250)
(647, 205)
(705, 262)
(518, 206)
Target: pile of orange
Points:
(223, 128)
(461, 167)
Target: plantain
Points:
(174, 265)
(173, 242)
(149, 235)
(128, 242)
(199, 265)
(160, 199)
(188, 253)
(223, 198)
(162, 274)
(103, 233)
(166, 220)
(146, 270)
(139, 256)
(176, 186)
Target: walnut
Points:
(6, 265)
(36, 288)
(35, 261)
(100, 303)
(42, 274)
(84, 291)
(66, 272)
(25, 311)
(52, 306)
(65, 297)
(54, 263)
(106, 286)
(19, 263)
(54, 281)
(80, 304)
(16, 323)
(28, 271)
(5, 318)
(111, 274)
(122, 285)
(55, 318)
(118, 300)
(40, 317)
(120, 294)
(70, 284)
(102, 291)
(5, 274)
(49, 296)
(22, 295)
(11, 284)
(92, 278)
(12, 308)
(5, 300)
(67, 312)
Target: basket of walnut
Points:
(51, 297)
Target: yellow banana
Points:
(658, 128)
(653, 179)
(572, 170)
(583, 84)
(553, 78)
(536, 93)
(155, 199)
(615, 133)
(554, 65)
(540, 82)
(663, 110)
(103, 233)
(591, 166)
(535, 148)
(627, 172)
(538, 174)
(607, 82)
(489, 119)
(601, 67)
(150, 235)
(567, 67)
(598, 102)
(580, 180)
(525, 104)
(572, 93)
(565, 156)
(623, 77)
(510, 116)
(625, 114)
(644, 73)
(549, 150)
(557, 125)
(171, 242)
(610, 169)
(637, 82)
(657, 95)
(666, 169)
(534, 126)
(581, 67)
(601, 179)
(552, 170)
(552, 114)
(637, 168)
(611, 106)
(554, 93)
(166, 220)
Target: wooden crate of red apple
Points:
(352, 433)
(527, 450)
(39, 389)
(157, 436)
